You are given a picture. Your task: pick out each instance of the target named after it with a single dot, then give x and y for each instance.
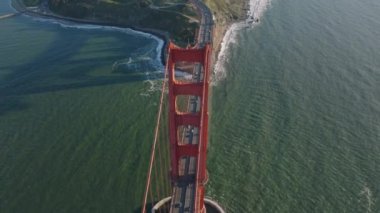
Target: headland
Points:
(175, 20)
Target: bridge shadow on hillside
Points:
(43, 74)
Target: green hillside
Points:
(177, 17)
(174, 16)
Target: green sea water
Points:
(77, 111)
(295, 124)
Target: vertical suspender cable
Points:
(158, 194)
(154, 143)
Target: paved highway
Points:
(184, 190)
(206, 26)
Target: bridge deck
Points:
(184, 190)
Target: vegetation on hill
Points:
(227, 10)
(177, 17)
(30, 3)
(174, 16)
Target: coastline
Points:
(161, 35)
(224, 31)
(255, 10)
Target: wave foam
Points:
(150, 60)
(255, 12)
(368, 196)
(68, 24)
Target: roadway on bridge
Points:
(183, 196)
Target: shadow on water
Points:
(11, 104)
(56, 70)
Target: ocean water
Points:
(296, 119)
(76, 109)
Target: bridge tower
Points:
(188, 132)
(187, 127)
(188, 154)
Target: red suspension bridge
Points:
(177, 171)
